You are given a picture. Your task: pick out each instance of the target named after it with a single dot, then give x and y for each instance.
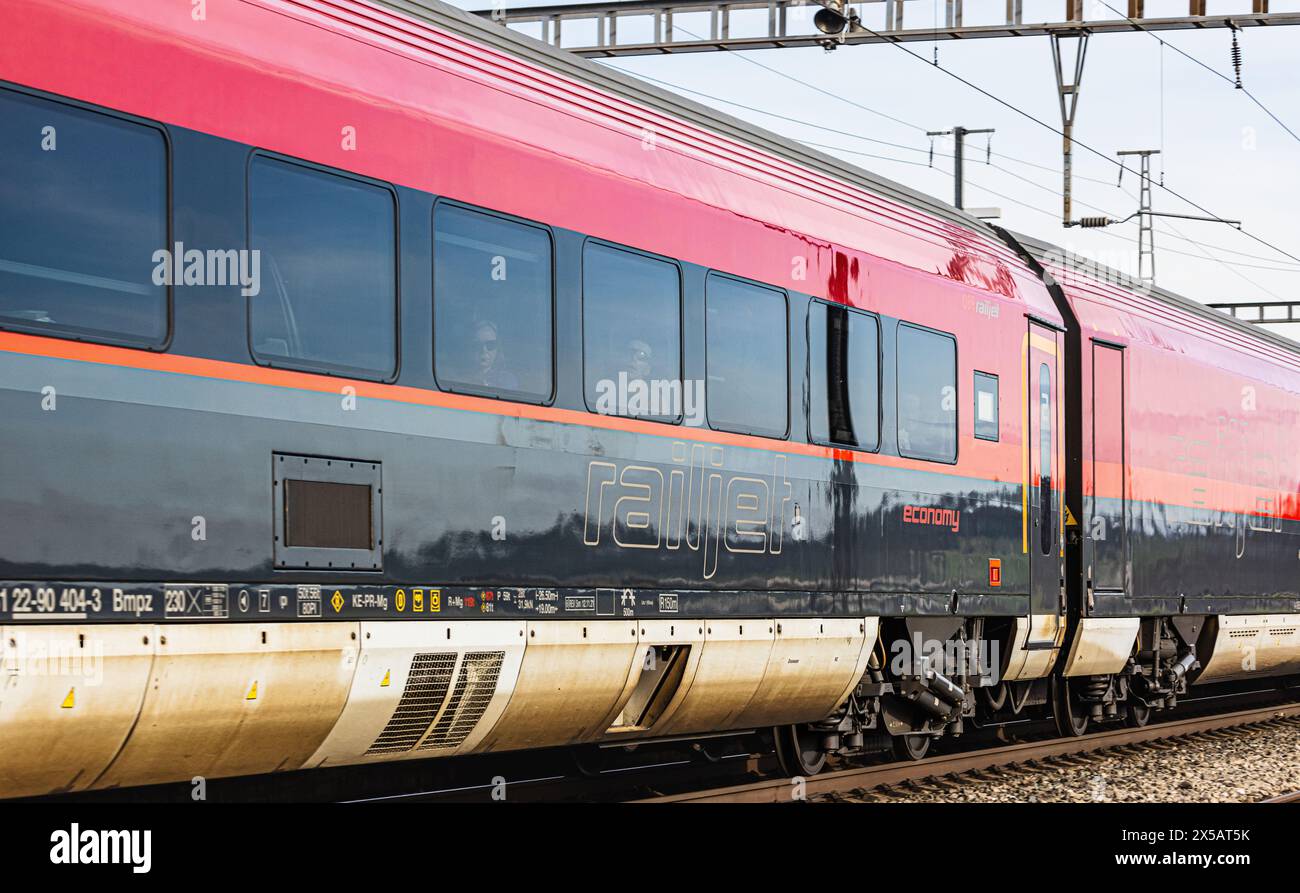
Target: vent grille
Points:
(426, 689)
(475, 686)
(1243, 633)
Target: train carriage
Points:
(381, 384)
(1188, 473)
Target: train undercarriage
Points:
(904, 707)
(122, 705)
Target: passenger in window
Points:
(638, 360)
(488, 362)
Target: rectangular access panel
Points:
(328, 513)
(1108, 524)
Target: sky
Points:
(1218, 148)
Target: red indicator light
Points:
(995, 572)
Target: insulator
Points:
(1093, 222)
(931, 152)
(1236, 57)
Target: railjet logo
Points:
(77, 847)
(182, 266)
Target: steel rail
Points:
(785, 790)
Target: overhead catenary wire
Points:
(1235, 84)
(800, 121)
(1009, 106)
(1232, 268)
(864, 154)
(803, 83)
(1162, 113)
(1010, 158)
(1203, 256)
(857, 136)
(1019, 111)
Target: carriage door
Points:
(1045, 490)
(1107, 522)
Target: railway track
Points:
(967, 766)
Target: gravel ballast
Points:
(1239, 766)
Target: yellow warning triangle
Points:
(1069, 518)
(387, 679)
(70, 701)
(252, 692)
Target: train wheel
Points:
(799, 751)
(911, 747)
(1139, 714)
(1069, 721)
(995, 696)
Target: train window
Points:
(927, 394)
(844, 376)
(83, 223)
(328, 261)
(631, 333)
(747, 357)
(492, 305)
(986, 406)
